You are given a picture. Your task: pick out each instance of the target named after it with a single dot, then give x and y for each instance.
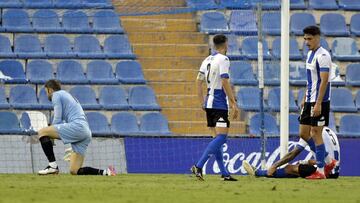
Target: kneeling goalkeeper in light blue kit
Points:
(75, 131)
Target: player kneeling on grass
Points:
(74, 131)
(304, 168)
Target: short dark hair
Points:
(219, 40)
(312, 30)
(53, 84)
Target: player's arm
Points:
(324, 63)
(57, 109)
(224, 74)
(199, 86)
(286, 159)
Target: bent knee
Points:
(73, 172)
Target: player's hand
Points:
(271, 171)
(316, 110)
(235, 111)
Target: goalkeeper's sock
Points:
(90, 171)
(53, 164)
(220, 161)
(320, 156)
(311, 144)
(212, 148)
(47, 147)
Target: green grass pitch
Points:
(173, 188)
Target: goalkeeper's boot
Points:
(197, 172)
(228, 178)
(110, 171)
(248, 168)
(329, 167)
(49, 170)
(316, 175)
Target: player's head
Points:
(312, 37)
(52, 86)
(220, 43)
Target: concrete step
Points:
(159, 25)
(170, 88)
(184, 114)
(171, 62)
(168, 38)
(177, 101)
(165, 75)
(162, 16)
(200, 127)
(164, 50)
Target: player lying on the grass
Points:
(304, 169)
(75, 131)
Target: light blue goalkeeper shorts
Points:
(76, 133)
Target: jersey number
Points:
(208, 72)
(332, 137)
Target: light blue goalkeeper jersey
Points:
(66, 108)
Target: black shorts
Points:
(322, 120)
(217, 118)
(306, 170)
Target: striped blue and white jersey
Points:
(317, 61)
(215, 67)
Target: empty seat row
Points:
(243, 22)
(72, 72)
(59, 46)
(139, 98)
(60, 4)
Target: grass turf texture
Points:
(173, 188)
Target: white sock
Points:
(328, 159)
(105, 172)
(321, 170)
(53, 164)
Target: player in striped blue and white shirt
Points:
(315, 106)
(214, 71)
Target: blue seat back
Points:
(44, 18)
(243, 22)
(270, 125)
(99, 70)
(13, 69)
(70, 70)
(57, 44)
(97, 122)
(85, 94)
(9, 121)
(5, 45)
(213, 22)
(124, 123)
(87, 44)
(27, 43)
(299, 21)
(16, 18)
(75, 19)
(113, 95)
(22, 94)
(39, 70)
(154, 123)
(117, 44)
(106, 19)
(142, 95)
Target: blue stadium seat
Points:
(44, 101)
(271, 129)
(298, 21)
(129, 72)
(107, 21)
(294, 49)
(274, 100)
(345, 49)
(353, 74)
(241, 73)
(124, 123)
(38, 3)
(58, 46)
(87, 46)
(97, 4)
(9, 123)
(248, 99)
(70, 72)
(294, 124)
(5, 48)
(333, 24)
(357, 100)
(233, 51)
(118, 46)
(98, 124)
(86, 96)
(154, 124)
(46, 21)
(39, 71)
(355, 24)
(250, 51)
(202, 4)
(266, 4)
(272, 73)
(235, 4)
(349, 5)
(297, 74)
(28, 46)
(323, 43)
(142, 98)
(323, 4)
(271, 23)
(349, 125)
(243, 22)
(342, 100)
(3, 102)
(297, 4)
(100, 72)
(13, 69)
(23, 97)
(76, 22)
(332, 123)
(300, 96)
(11, 4)
(16, 20)
(213, 22)
(68, 4)
(113, 98)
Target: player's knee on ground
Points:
(74, 171)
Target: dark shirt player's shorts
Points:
(217, 118)
(322, 120)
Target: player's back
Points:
(331, 143)
(71, 108)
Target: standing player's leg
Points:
(45, 136)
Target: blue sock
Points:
(311, 144)
(261, 173)
(220, 162)
(280, 173)
(320, 156)
(212, 148)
